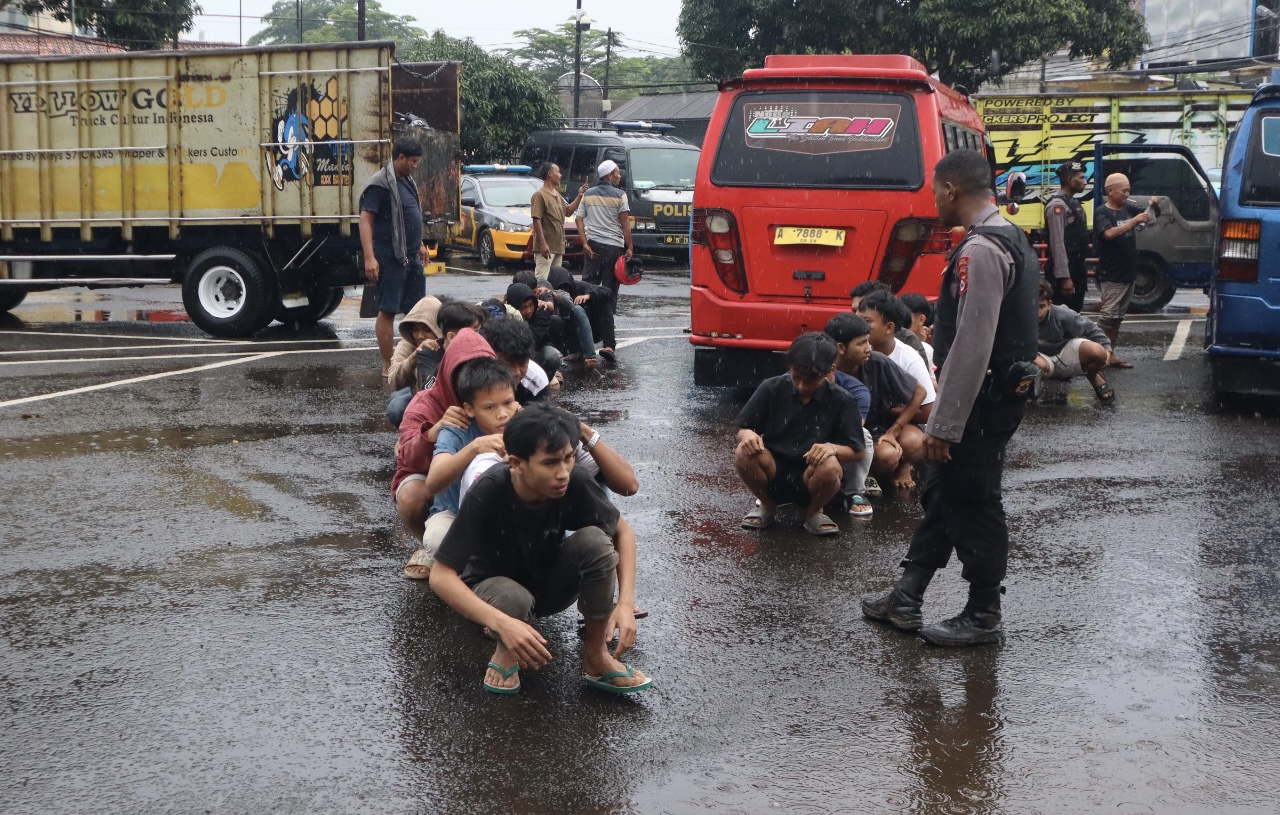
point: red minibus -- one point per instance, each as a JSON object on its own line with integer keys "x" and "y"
{"x": 815, "y": 176}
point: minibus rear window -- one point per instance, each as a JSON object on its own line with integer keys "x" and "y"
{"x": 1262, "y": 171}
{"x": 832, "y": 139}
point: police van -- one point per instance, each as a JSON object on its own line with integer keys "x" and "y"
{"x": 657, "y": 174}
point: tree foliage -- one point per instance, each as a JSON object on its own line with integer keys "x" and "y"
{"x": 549, "y": 53}
{"x": 501, "y": 101}
{"x": 138, "y": 25}
{"x": 966, "y": 42}
{"x": 333, "y": 21}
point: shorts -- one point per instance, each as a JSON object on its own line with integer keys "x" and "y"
{"x": 787, "y": 486}
{"x": 1066, "y": 363}
{"x": 437, "y": 527}
{"x": 407, "y": 479}
{"x": 399, "y": 287}
{"x": 1115, "y": 303}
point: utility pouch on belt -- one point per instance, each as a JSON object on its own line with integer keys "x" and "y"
{"x": 1017, "y": 383}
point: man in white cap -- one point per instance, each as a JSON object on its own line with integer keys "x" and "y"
{"x": 604, "y": 222}
{"x": 1116, "y": 223}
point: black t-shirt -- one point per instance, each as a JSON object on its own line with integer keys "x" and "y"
{"x": 790, "y": 428}
{"x": 1116, "y": 256}
{"x": 498, "y": 535}
{"x": 375, "y": 198}
{"x": 890, "y": 387}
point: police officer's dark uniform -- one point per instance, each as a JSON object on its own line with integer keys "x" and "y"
{"x": 1064, "y": 220}
{"x": 985, "y": 336}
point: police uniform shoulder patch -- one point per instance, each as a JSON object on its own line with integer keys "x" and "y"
{"x": 962, "y": 274}
{"x": 1058, "y": 209}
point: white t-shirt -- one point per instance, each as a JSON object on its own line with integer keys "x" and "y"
{"x": 481, "y": 464}
{"x": 909, "y": 360}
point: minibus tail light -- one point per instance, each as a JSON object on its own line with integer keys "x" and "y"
{"x": 716, "y": 230}
{"x": 910, "y": 238}
{"x": 1238, "y": 250}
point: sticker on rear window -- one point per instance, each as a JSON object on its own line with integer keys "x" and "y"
{"x": 820, "y": 128}
{"x": 1271, "y": 136}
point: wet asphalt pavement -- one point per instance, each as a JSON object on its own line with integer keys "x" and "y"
{"x": 201, "y": 607}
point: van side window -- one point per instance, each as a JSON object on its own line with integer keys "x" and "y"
{"x": 1172, "y": 177}
{"x": 583, "y": 167}
{"x": 949, "y": 136}
{"x": 1261, "y": 185}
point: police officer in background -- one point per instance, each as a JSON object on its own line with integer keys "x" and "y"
{"x": 985, "y": 337}
{"x": 1064, "y": 220}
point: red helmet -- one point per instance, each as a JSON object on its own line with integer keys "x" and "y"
{"x": 628, "y": 272}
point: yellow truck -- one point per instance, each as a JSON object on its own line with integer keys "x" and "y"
{"x": 1170, "y": 143}
{"x": 234, "y": 172}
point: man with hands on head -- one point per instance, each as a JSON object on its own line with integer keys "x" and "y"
{"x": 506, "y": 559}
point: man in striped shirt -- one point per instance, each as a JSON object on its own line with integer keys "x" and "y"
{"x": 604, "y": 222}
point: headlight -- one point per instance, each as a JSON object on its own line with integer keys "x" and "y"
{"x": 644, "y": 224}
{"x": 506, "y": 226}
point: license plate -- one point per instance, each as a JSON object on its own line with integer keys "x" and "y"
{"x": 809, "y": 235}
{"x": 682, "y": 239}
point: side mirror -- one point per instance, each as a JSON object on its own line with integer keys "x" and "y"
{"x": 469, "y": 202}
{"x": 1016, "y": 188}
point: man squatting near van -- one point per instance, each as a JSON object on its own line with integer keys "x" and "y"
{"x": 984, "y": 342}
{"x": 391, "y": 239}
{"x": 506, "y": 559}
{"x": 1068, "y": 231}
{"x": 604, "y": 222}
{"x": 1071, "y": 346}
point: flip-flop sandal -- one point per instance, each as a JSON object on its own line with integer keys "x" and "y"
{"x": 1121, "y": 363}
{"x": 872, "y": 488}
{"x": 604, "y": 681}
{"x": 860, "y": 508}
{"x": 757, "y": 519}
{"x": 506, "y": 673}
{"x": 419, "y": 565}
{"x": 1106, "y": 394}
{"x": 821, "y": 525}
{"x": 609, "y": 355}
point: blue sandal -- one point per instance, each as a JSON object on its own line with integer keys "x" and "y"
{"x": 506, "y": 673}
{"x": 604, "y": 682}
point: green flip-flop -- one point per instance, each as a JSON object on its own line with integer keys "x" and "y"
{"x": 506, "y": 672}
{"x": 603, "y": 681}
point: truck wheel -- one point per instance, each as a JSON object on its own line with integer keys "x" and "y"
{"x": 484, "y": 248}
{"x": 10, "y": 298}
{"x": 323, "y": 303}
{"x": 228, "y": 293}
{"x": 1152, "y": 286}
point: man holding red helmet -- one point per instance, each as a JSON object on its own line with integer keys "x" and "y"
{"x": 604, "y": 222}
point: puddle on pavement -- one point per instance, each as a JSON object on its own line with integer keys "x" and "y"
{"x": 176, "y": 438}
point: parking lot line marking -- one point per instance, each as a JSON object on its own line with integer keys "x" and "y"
{"x": 112, "y": 336}
{"x": 185, "y": 356}
{"x": 629, "y": 341}
{"x": 136, "y": 379}
{"x": 226, "y": 344}
{"x": 1179, "y": 341}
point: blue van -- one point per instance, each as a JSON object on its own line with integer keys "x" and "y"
{"x": 1242, "y": 335}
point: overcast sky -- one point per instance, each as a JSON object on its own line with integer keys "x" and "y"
{"x": 649, "y": 26}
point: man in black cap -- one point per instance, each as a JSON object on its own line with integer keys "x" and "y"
{"x": 1064, "y": 221}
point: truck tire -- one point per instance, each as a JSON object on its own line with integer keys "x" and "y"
{"x": 1153, "y": 288}
{"x": 228, "y": 293}
{"x": 10, "y": 299}
{"x": 324, "y": 302}
{"x": 484, "y": 248}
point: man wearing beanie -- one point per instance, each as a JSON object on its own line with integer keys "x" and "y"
{"x": 604, "y": 222}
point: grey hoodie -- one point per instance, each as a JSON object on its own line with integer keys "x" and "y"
{"x": 1061, "y": 325}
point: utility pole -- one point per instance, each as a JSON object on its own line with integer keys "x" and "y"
{"x": 577, "y": 61}
{"x": 608, "y": 55}
{"x": 298, "y": 6}
{"x": 360, "y": 20}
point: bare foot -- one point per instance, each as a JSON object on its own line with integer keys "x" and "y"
{"x": 902, "y": 479}
{"x": 503, "y": 657}
{"x": 600, "y": 665}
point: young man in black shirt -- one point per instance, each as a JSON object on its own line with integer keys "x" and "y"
{"x": 506, "y": 560}
{"x": 797, "y": 432}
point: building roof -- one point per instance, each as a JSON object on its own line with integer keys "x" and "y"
{"x": 43, "y": 43}
{"x": 667, "y": 107}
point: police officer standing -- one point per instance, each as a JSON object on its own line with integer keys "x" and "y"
{"x": 1064, "y": 219}
{"x": 985, "y": 337}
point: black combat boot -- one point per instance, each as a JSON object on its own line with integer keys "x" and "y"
{"x": 978, "y": 624}
{"x": 900, "y": 606}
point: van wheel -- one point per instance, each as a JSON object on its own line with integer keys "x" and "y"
{"x": 1152, "y": 286}
{"x": 484, "y": 248}
{"x": 10, "y": 299}
{"x": 228, "y": 293}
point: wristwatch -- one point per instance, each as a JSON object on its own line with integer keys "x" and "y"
{"x": 591, "y": 442}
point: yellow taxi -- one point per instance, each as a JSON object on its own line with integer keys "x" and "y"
{"x": 496, "y": 224}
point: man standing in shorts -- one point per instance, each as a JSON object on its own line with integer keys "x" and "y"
{"x": 391, "y": 239}
{"x": 1116, "y": 224}
{"x": 605, "y": 226}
